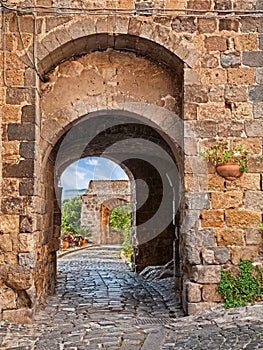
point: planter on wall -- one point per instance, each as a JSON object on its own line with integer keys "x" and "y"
{"x": 229, "y": 171}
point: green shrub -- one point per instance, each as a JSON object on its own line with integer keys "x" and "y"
{"x": 244, "y": 287}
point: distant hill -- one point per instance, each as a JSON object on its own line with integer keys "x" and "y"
{"x": 71, "y": 193}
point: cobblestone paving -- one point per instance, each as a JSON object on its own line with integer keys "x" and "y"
{"x": 100, "y": 304}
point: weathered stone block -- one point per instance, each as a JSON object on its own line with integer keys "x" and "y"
{"x": 25, "y": 224}
{"x": 226, "y": 200}
{"x": 215, "y": 76}
{"x": 210, "y": 294}
{"x": 230, "y": 60}
{"x": 243, "y": 218}
{"x": 27, "y": 150}
{"x": 195, "y": 165}
{"x": 255, "y": 93}
{"x": 205, "y": 128}
{"x": 246, "y": 42}
{"x": 199, "y": 4}
{"x": 192, "y": 255}
{"x": 5, "y": 243}
{"x": 223, "y": 4}
{"x": 242, "y": 110}
{"x": 241, "y": 76}
{"x": 221, "y": 254}
{"x": 249, "y": 24}
{"x": 212, "y": 218}
{"x": 215, "y": 182}
{"x": 19, "y": 278}
{"x": 229, "y": 237}
{"x": 254, "y": 236}
{"x": 252, "y": 144}
{"x": 208, "y": 257}
{"x": 254, "y": 200}
{"x": 27, "y": 260}
{"x": 254, "y": 128}
{"x": 11, "y": 114}
{"x": 236, "y": 93}
{"x": 28, "y": 114}
{"x": 253, "y": 58}
{"x": 258, "y": 110}
{"x": 25, "y": 168}
{"x": 193, "y": 292}
{"x": 206, "y": 25}
{"x": 21, "y": 132}
{"x": 250, "y": 253}
{"x": 200, "y": 238}
{"x": 259, "y": 75}
{"x": 15, "y": 205}
{"x": 215, "y": 43}
{"x": 191, "y": 77}
{"x": 26, "y": 188}
{"x": 196, "y": 93}
{"x": 7, "y": 298}
{"x": 193, "y": 308}
{"x": 184, "y": 24}
{"x": 197, "y": 200}
{"x": 10, "y": 151}
{"x": 206, "y": 274}
{"x": 209, "y": 61}
{"x": 213, "y": 112}
{"x": 16, "y": 96}
{"x": 25, "y": 243}
{"x": 228, "y": 24}
{"x": 9, "y": 224}
{"x": 245, "y": 182}
{"x": 231, "y": 128}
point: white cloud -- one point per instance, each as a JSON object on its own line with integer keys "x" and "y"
{"x": 79, "y": 174}
{"x": 91, "y": 161}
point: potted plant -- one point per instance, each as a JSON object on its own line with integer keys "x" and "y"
{"x": 230, "y": 163}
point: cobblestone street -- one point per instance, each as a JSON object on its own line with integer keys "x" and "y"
{"x": 101, "y": 304}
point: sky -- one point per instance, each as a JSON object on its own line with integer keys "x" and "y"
{"x": 78, "y": 175}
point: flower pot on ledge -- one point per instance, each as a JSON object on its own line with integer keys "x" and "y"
{"x": 229, "y": 171}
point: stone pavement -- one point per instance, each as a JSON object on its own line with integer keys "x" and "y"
{"x": 100, "y": 304}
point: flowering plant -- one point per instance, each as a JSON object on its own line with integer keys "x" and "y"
{"x": 220, "y": 153}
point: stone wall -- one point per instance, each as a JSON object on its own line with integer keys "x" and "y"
{"x": 101, "y": 197}
{"x": 160, "y": 61}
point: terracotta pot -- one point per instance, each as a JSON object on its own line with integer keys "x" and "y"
{"x": 65, "y": 245}
{"x": 229, "y": 171}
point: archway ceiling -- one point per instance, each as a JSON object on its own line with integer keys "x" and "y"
{"x": 125, "y": 140}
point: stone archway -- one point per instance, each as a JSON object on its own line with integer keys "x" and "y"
{"x": 107, "y": 236}
{"x": 152, "y": 114}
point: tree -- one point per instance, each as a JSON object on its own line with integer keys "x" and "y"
{"x": 120, "y": 218}
{"x": 71, "y": 212}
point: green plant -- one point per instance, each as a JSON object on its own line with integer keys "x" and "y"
{"x": 243, "y": 287}
{"x": 221, "y": 153}
{"x": 120, "y": 219}
{"x": 71, "y": 212}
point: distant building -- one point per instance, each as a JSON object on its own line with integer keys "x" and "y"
{"x": 100, "y": 199}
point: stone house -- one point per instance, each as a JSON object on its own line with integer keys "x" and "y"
{"x": 101, "y": 197}
{"x": 147, "y": 84}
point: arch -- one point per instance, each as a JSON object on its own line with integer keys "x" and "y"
{"x": 89, "y": 34}
{"x": 105, "y": 213}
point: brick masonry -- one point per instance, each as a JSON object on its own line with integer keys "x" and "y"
{"x": 204, "y": 70}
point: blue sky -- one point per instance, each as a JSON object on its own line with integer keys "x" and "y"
{"x": 79, "y": 174}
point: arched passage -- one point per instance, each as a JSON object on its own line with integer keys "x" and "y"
{"x": 127, "y": 108}
{"x": 123, "y": 106}
{"x": 107, "y": 237}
